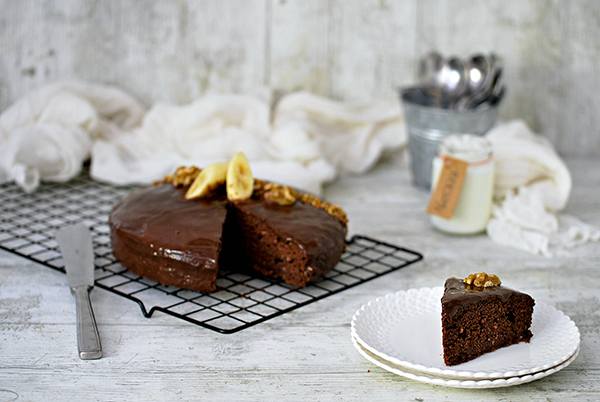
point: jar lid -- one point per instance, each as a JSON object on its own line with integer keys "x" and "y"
{"x": 467, "y": 147}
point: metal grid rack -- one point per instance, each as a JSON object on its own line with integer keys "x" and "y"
{"x": 28, "y": 223}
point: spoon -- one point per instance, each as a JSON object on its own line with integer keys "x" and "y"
{"x": 478, "y": 82}
{"x": 491, "y": 95}
{"x": 497, "y": 81}
{"x": 429, "y": 70}
{"x": 430, "y": 76}
{"x": 444, "y": 80}
{"x": 480, "y": 69}
{"x": 455, "y": 77}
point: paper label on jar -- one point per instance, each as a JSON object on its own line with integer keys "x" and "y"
{"x": 447, "y": 190}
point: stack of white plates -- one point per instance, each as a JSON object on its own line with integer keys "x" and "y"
{"x": 402, "y": 333}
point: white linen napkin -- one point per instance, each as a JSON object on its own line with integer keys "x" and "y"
{"x": 303, "y": 140}
{"x": 532, "y": 184}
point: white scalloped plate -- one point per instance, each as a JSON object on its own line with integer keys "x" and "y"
{"x": 404, "y": 329}
{"x": 455, "y": 383}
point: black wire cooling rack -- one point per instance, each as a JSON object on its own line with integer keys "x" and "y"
{"x": 28, "y": 223}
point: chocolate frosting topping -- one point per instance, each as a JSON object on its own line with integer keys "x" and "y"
{"x": 158, "y": 234}
{"x": 168, "y": 224}
{"x": 457, "y": 294}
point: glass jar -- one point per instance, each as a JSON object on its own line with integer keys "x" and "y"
{"x": 474, "y": 205}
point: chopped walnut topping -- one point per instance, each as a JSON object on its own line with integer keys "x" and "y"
{"x": 306, "y": 198}
{"x": 273, "y": 192}
{"x": 338, "y": 213}
{"x": 481, "y": 279}
{"x": 259, "y": 186}
{"x": 183, "y": 176}
{"x": 281, "y": 196}
{"x": 167, "y": 179}
{"x": 333, "y": 210}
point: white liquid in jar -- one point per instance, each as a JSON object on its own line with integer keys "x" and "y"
{"x": 474, "y": 205}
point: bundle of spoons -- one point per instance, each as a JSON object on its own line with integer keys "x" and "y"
{"x": 460, "y": 84}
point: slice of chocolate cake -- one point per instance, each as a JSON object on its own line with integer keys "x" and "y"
{"x": 159, "y": 235}
{"x": 480, "y": 316}
{"x": 297, "y": 243}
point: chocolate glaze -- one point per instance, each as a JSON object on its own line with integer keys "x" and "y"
{"x": 158, "y": 234}
{"x": 458, "y": 294}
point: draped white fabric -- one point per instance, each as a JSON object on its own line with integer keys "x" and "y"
{"x": 532, "y": 184}
{"x": 303, "y": 140}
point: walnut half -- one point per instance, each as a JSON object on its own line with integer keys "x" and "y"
{"x": 481, "y": 279}
{"x": 183, "y": 176}
{"x": 281, "y": 196}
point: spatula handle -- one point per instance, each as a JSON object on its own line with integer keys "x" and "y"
{"x": 88, "y": 339}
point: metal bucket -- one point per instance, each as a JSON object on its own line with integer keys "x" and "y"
{"x": 428, "y": 124}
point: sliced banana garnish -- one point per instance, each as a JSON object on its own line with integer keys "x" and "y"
{"x": 209, "y": 179}
{"x": 240, "y": 183}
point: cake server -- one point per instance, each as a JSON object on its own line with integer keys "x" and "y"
{"x": 75, "y": 243}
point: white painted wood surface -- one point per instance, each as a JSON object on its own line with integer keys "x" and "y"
{"x": 354, "y": 50}
{"x": 305, "y": 354}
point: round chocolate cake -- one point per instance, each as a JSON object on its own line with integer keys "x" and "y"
{"x": 159, "y": 234}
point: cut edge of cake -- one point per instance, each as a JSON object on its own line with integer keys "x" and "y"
{"x": 291, "y": 265}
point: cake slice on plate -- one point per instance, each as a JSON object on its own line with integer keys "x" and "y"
{"x": 480, "y": 316}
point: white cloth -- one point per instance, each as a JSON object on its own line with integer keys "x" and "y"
{"x": 303, "y": 140}
{"x": 523, "y": 158}
{"x": 47, "y": 135}
{"x": 532, "y": 184}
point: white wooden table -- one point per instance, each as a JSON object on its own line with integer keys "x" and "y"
{"x": 304, "y": 354}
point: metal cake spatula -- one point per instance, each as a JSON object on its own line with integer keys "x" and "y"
{"x": 75, "y": 243}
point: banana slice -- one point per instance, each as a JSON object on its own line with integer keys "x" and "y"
{"x": 209, "y": 179}
{"x": 240, "y": 183}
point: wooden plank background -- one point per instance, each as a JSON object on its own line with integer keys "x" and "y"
{"x": 353, "y": 50}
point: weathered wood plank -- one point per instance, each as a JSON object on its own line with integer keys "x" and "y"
{"x": 578, "y": 129}
{"x": 176, "y": 51}
{"x": 372, "y": 49}
{"x": 172, "y": 51}
{"x": 299, "y": 46}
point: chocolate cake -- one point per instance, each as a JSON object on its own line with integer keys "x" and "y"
{"x": 160, "y": 234}
{"x": 480, "y": 316}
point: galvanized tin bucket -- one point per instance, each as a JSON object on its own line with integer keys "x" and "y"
{"x": 428, "y": 124}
